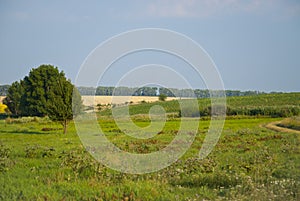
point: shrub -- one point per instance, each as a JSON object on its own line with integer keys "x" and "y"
{"x": 162, "y": 97}
{"x": 5, "y": 162}
{"x": 81, "y": 163}
{"x": 37, "y": 151}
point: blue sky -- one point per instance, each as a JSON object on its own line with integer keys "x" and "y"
{"x": 254, "y": 44}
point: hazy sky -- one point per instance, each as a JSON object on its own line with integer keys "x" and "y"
{"x": 254, "y": 44}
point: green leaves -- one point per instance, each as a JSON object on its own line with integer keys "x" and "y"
{"x": 13, "y": 98}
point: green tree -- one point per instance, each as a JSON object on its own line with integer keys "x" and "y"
{"x": 13, "y": 98}
{"x": 64, "y": 102}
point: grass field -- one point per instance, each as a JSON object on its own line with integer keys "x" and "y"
{"x": 249, "y": 162}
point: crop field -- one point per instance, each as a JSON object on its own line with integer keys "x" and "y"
{"x": 95, "y": 100}
{"x": 249, "y": 162}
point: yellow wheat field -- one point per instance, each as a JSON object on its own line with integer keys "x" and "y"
{"x": 103, "y": 100}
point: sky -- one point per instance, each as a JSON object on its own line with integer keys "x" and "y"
{"x": 254, "y": 44}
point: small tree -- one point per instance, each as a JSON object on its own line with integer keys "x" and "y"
{"x": 59, "y": 105}
{"x": 13, "y": 97}
{"x": 162, "y": 97}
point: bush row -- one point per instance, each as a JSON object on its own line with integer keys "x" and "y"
{"x": 285, "y": 111}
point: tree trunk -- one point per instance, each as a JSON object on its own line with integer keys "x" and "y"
{"x": 65, "y": 124}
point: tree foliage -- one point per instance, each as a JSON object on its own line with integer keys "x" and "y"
{"x": 39, "y": 85}
{"x": 155, "y": 91}
{"x": 13, "y": 98}
{"x": 60, "y": 107}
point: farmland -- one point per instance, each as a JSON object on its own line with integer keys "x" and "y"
{"x": 95, "y": 100}
{"x": 249, "y": 162}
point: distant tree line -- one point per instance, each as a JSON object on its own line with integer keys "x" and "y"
{"x": 155, "y": 91}
{"x": 279, "y": 111}
{"x": 149, "y": 91}
{"x": 118, "y": 91}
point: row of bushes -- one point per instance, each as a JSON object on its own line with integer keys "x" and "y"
{"x": 286, "y": 111}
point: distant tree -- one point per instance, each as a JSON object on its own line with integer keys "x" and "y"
{"x": 13, "y": 97}
{"x": 162, "y": 97}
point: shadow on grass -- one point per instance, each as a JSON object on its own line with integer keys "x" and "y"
{"x": 28, "y": 132}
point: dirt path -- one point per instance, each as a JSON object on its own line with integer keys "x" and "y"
{"x": 273, "y": 126}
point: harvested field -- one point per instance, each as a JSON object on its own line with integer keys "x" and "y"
{"x": 94, "y": 100}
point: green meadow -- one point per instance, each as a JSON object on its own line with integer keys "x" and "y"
{"x": 249, "y": 162}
